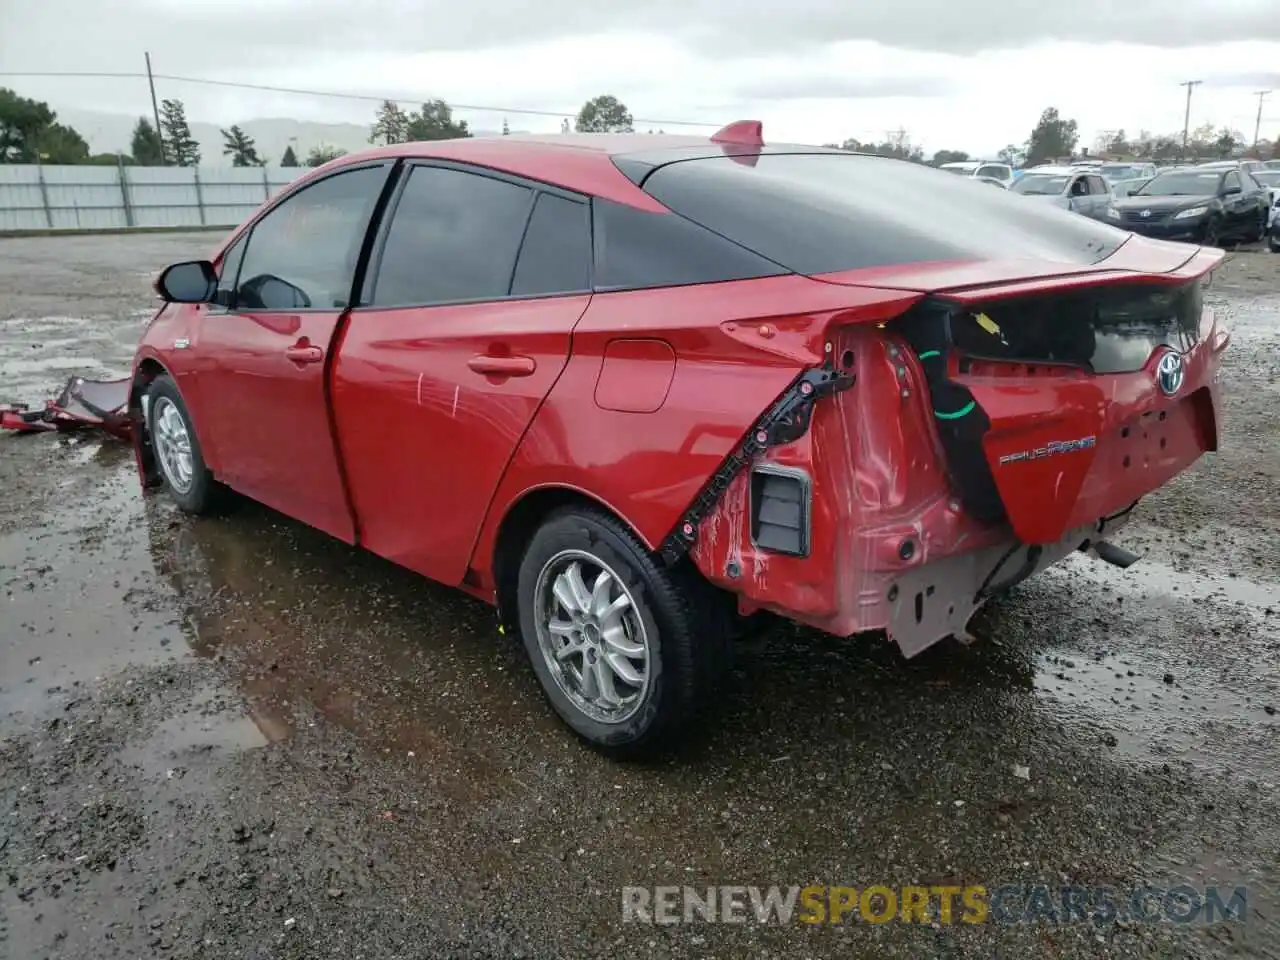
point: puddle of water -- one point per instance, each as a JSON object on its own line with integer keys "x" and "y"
{"x": 1173, "y": 691}
{"x": 1152, "y": 580}
{"x": 210, "y": 727}
{"x": 79, "y": 592}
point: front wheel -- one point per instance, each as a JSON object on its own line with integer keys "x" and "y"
{"x": 176, "y": 448}
{"x": 1274, "y": 242}
{"x": 614, "y": 638}
{"x": 1210, "y": 236}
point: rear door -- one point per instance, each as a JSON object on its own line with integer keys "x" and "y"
{"x": 462, "y": 329}
{"x": 1237, "y": 206}
{"x": 265, "y": 348}
{"x": 1099, "y": 196}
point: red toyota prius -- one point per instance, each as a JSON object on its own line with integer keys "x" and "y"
{"x": 633, "y": 390}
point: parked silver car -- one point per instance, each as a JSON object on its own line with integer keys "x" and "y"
{"x": 1083, "y": 191}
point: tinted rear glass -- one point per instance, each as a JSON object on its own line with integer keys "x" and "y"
{"x": 636, "y": 249}
{"x": 824, "y": 213}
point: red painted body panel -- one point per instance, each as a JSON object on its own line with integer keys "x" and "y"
{"x": 268, "y": 415}
{"x": 738, "y": 346}
{"x": 426, "y": 437}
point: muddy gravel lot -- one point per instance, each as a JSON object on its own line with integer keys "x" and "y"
{"x": 238, "y": 738}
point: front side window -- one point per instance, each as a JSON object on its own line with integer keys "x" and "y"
{"x": 303, "y": 253}
{"x": 1232, "y": 180}
{"x": 453, "y": 237}
{"x": 228, "y": 271}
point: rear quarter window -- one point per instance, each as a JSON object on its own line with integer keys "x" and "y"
{"x": 827, "y": 213}
{"x": 635, "y": 249}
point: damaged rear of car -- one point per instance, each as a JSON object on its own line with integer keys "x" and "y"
{"x": 1043, "y": 373}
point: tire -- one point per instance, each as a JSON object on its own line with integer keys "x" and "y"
{"x": 1210, "y": 237}
{"x": 1274, "y": 242}
{"x": 177, "y": 449}
{"x": 669, "y": 644}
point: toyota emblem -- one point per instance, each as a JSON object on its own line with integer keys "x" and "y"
{"x": 1146, "y": 213}
{"x": 1170, "y": 373}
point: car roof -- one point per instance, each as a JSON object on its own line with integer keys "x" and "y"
{"x": 1053, "y": 171}
{"x": 607, "y": 165}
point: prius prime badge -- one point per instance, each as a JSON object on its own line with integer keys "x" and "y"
{"x": 1170, "y": 373}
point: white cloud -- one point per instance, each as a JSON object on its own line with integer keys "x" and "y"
{"x": 862, "y": 89}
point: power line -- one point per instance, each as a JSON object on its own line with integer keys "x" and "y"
{"x": 266, "y": 88}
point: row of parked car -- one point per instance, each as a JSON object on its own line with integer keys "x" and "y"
{"x": 1227, "y": 201}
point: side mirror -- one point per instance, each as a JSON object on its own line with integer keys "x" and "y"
{"x": 194, "y": 281}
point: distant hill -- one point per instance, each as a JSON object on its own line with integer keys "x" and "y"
{"x": 112, "y": 132}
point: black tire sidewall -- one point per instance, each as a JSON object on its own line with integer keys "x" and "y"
{"x": 664, "y": 621}
{"x": 198, "y": 496}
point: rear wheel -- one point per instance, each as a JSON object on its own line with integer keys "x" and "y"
{"x": 617, "y": 641}
{"x": 176, "y": 449}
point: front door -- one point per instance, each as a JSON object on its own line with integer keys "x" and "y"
{"x": 265, "y": 355}
{"x": 464, "y": 329}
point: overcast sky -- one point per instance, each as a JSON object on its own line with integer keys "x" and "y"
{"x": 966, "y": 74}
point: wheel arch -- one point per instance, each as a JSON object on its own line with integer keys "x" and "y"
{"x": 521, "y": 519}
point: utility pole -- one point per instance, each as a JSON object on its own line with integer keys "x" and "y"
{"x": 1257, "y": 124}
{"x": 155, "y": 111}
{"x": 1186, "y": 122}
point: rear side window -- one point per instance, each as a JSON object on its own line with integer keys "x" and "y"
{"x": 825, "y": 213}
{"x": 635, "y": 249}
{"x": 453, "y": 237}
{"x": 556, "y": 254}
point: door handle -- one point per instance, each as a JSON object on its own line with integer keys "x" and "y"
{"x": 502, "y": 366}
{"x": 303, "y": 354}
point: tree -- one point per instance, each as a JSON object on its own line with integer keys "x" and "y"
{"x": 604, "y": 114}
{"x": 391, "y": 125}
{"x": 30, "y": 133}
{"x": 322, "y": 154}
{"x": 1275, "y": 148}
{"x": 111, "y": 160}
{"x": 58, "y": 143}
{"x": 1227, "y": 142}
{"x": 239, "y": 146}
{"x": 949, "y": 156}
{"x": 1013, "y": 155}
{"x": 1119, "y": 143}
{"x": 289, "y": 159}
{"x": 1052, "y": 137}
{"x": 435, "y": 122}
{"x": 147, "y": 147}
{"x": 179, "y": 145}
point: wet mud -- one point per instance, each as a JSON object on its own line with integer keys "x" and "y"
{"x": 235, "y": 737}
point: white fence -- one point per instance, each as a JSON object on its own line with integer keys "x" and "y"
{"x": 85, "y": 197}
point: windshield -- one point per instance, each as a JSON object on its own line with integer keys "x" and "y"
{"x": 1040, "y": 183}
{"x": 963, "y": 171}
{"x": 991, "y": 171}
{"x": 1182, "y": 184}
{"x": 1121, "y": 171}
